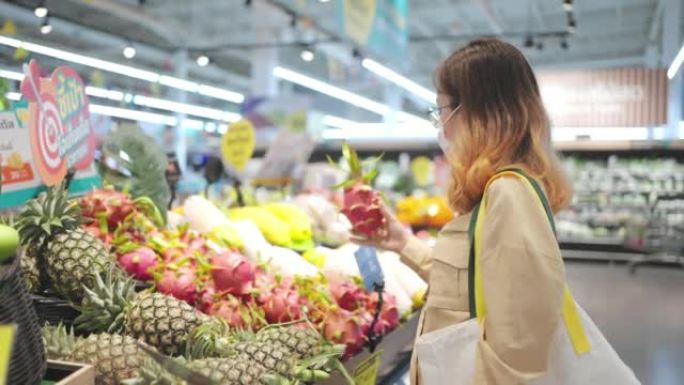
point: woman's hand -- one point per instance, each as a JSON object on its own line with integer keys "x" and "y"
{"x": 393, "y": 237}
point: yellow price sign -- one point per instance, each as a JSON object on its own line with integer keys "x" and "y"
{"x": 237, "y": 145}
{"x": 6, "y": 339}
{"x": 367, "y": 371}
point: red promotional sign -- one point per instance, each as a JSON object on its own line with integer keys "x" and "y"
{"x": 58, "y": 123}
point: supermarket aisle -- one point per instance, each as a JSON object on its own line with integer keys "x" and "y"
{"x": 641, "y": 315}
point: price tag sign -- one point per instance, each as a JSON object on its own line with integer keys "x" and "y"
{"x": 237, "y": 144}
{"x": 369, "y": 266}
{"x": 367, "y": 371}
{"x": 6, "y": 340}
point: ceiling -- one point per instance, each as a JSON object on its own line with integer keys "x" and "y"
{"x": 609, "y": 33}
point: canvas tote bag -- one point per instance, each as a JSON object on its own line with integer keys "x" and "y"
{"x": 579, "y": 354}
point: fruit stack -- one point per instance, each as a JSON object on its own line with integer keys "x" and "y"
{"x": 220, "y": 283}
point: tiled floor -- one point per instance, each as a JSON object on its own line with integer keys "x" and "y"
{"x": 642, "y": 315}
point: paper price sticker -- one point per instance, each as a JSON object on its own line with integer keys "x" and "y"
{"x": 367, "y": 371}
{"x": 237, "y": 144}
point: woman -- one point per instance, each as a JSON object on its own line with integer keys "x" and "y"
{"x": 491, "y": 117}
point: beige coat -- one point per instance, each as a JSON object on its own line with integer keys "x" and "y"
{"x": 523, "y": 278}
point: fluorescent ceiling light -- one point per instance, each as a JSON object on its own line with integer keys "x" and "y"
{"x": 330, "y": 90}
{"x": 140, "y": 116}
{"x": 125, "y": 70}
{"x": 145, "y": 101}
{"x": 220, "y": 93}
{"x": 189, "y": 109}
{"x": 104, "y": 93}
{"x": 222, "y": 128}
{"x": 18, "y": 76}
{"x": 13, "y": 96}
{"x": 181, "y": 84}
{"x": 676, "y": 63}
{"x": 402, "y": 81}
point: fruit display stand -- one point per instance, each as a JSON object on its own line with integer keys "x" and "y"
{"x": 394, "y": 353}
{"x": 68, "y": 373}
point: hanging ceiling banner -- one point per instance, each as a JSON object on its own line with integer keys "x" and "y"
{"x": 617, "y": 97}
{"x": 380, "y": 26}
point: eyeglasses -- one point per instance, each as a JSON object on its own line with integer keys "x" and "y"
{"x": 435, "y": 114}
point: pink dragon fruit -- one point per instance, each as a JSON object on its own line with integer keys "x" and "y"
{"x": 179, "y": 282}
{"x": 235, "y": 313}
{"x": 206, "y": 298}
{"x": 389, "y": 315}
{"x": 107, "y": 203}
{"x": 232, "y": 273}
{"x": 139, "y": 263}
{"x": 347, "y": 294}
{"x": 282, "y": 304}
{"x": 344, "y": 327}
{"x": 361, "y": 202}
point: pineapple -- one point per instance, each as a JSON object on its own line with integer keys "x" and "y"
{"x": 114, "y": 356}
{"x": 160, "y": 320}
{"x": 303, "y": 342}
{"x": 70, "y": 256}
{"x": 232, "y": 370}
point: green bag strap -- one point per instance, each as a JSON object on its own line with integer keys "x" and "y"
{"x": 471, "y": 232}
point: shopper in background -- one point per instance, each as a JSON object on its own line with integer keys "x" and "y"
{"x": 490, "y": 117}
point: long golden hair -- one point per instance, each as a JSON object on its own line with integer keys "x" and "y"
{"x": 505, "y": 122}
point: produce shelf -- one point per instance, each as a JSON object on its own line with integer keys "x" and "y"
{"x": 395, "y": 348}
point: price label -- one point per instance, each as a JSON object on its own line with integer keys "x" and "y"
{"x": 6, "y": 339}
{"x": 369, "y": 267}
{"x": 367, "y": 371}
{"x": 237, "y": 145}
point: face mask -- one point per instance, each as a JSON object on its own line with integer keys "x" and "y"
{"x": 444, "y": 142}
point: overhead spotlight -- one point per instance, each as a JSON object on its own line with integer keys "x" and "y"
{"x": 564, "y": 43}
{"x": 46, "y": 27}
{"x": 356, "y": 53}
{"x": 307, "y": 54}
{"x": 41, "y": 10}
{"x": 324, "y": 1}
{"x": 529, "y": 41}
{"x": 129, "y": 51}
{"x": 203, "y": 60}
{"x": 567, "y": 5}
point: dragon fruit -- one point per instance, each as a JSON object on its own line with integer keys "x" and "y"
{"x": 237, "y": 314}
{"x": 206, "y": 298}
{"x": 107, "y": 203}
{"x": 361, "y": 203}
{"x": 180, "y": 282}
{"x": 389, "y": 315}
{"x": 232, "y": 272}
{"x": 344, "y": 327}
{"x": 282, "y": 304}
{"x": 139, "y": 263}
{"x": 347, "y": 294}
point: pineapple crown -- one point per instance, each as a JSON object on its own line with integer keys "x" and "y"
{"x": 104, "y": 305}
{"x": 152, "y": 373}
{"x": 210, "y": 339}
{"x": 47, "y": 215}
{"x": 59, "y": 341}
{"x": 356, "y": 167}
